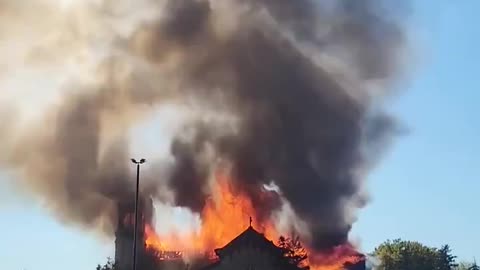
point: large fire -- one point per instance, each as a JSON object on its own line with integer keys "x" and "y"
{"x": 224, "y": 217}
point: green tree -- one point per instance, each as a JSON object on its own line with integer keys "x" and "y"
{"x": 401, "y": 255}
{"x": 445, "y": 261}
{"x": 293, "y": 250}
{"x": 110, "y": 265}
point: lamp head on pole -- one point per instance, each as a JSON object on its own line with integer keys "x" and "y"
{"x": 138, "y": 162}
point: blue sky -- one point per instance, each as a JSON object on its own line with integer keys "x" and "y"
{"x": 425, "y": 189}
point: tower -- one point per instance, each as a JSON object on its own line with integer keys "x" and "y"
{"x": 125, "y": 229}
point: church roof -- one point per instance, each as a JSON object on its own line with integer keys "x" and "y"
{"x": 251, "y": 238}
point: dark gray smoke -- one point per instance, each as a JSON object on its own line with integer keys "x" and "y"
{"x": 299, "y": 127}
{"x": 301, "y": 79}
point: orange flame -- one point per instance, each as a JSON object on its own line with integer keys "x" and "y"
{"x": 225, "y": 215}
{"x": 335, "y": 259}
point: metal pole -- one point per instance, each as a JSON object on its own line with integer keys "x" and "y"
{"x": 136, "y": 220}
{"x": 138, "y": 163}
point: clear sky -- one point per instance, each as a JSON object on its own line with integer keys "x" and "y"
{"x": 426, "y": 188}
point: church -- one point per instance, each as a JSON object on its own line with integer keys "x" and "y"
{"x": 250, "y": 250}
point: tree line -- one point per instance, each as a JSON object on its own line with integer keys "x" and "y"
{"x": 412, "y": 255}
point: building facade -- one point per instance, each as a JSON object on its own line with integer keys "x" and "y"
{"x": 249, "y": 251}
{"x": 124, "y": 235}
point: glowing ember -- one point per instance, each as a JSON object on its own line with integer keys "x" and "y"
{"x": 224, "y": 217}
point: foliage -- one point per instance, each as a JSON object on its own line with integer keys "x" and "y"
{"x": 445, "y": 260}
{"x": 401, "y": 255}
{"x": 293, "y": 250}
{"x": 467, "y": 266}
{"x": 110, "y": 265}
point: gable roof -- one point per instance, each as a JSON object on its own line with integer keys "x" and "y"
{"x": 249, "y": 238}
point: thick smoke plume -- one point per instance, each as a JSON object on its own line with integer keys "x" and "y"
{"x": 282, "y": 91}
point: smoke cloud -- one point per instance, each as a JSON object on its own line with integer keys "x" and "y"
{"x": 279, "y": 91}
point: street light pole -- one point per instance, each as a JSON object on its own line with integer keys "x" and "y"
{"x": 138, "y": 163}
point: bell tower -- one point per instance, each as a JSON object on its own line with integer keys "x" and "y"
{"x": 125, "y": 229}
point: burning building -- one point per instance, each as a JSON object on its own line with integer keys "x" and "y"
{"x": 250, "y": 250}
{"x": 222, "y": 242}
